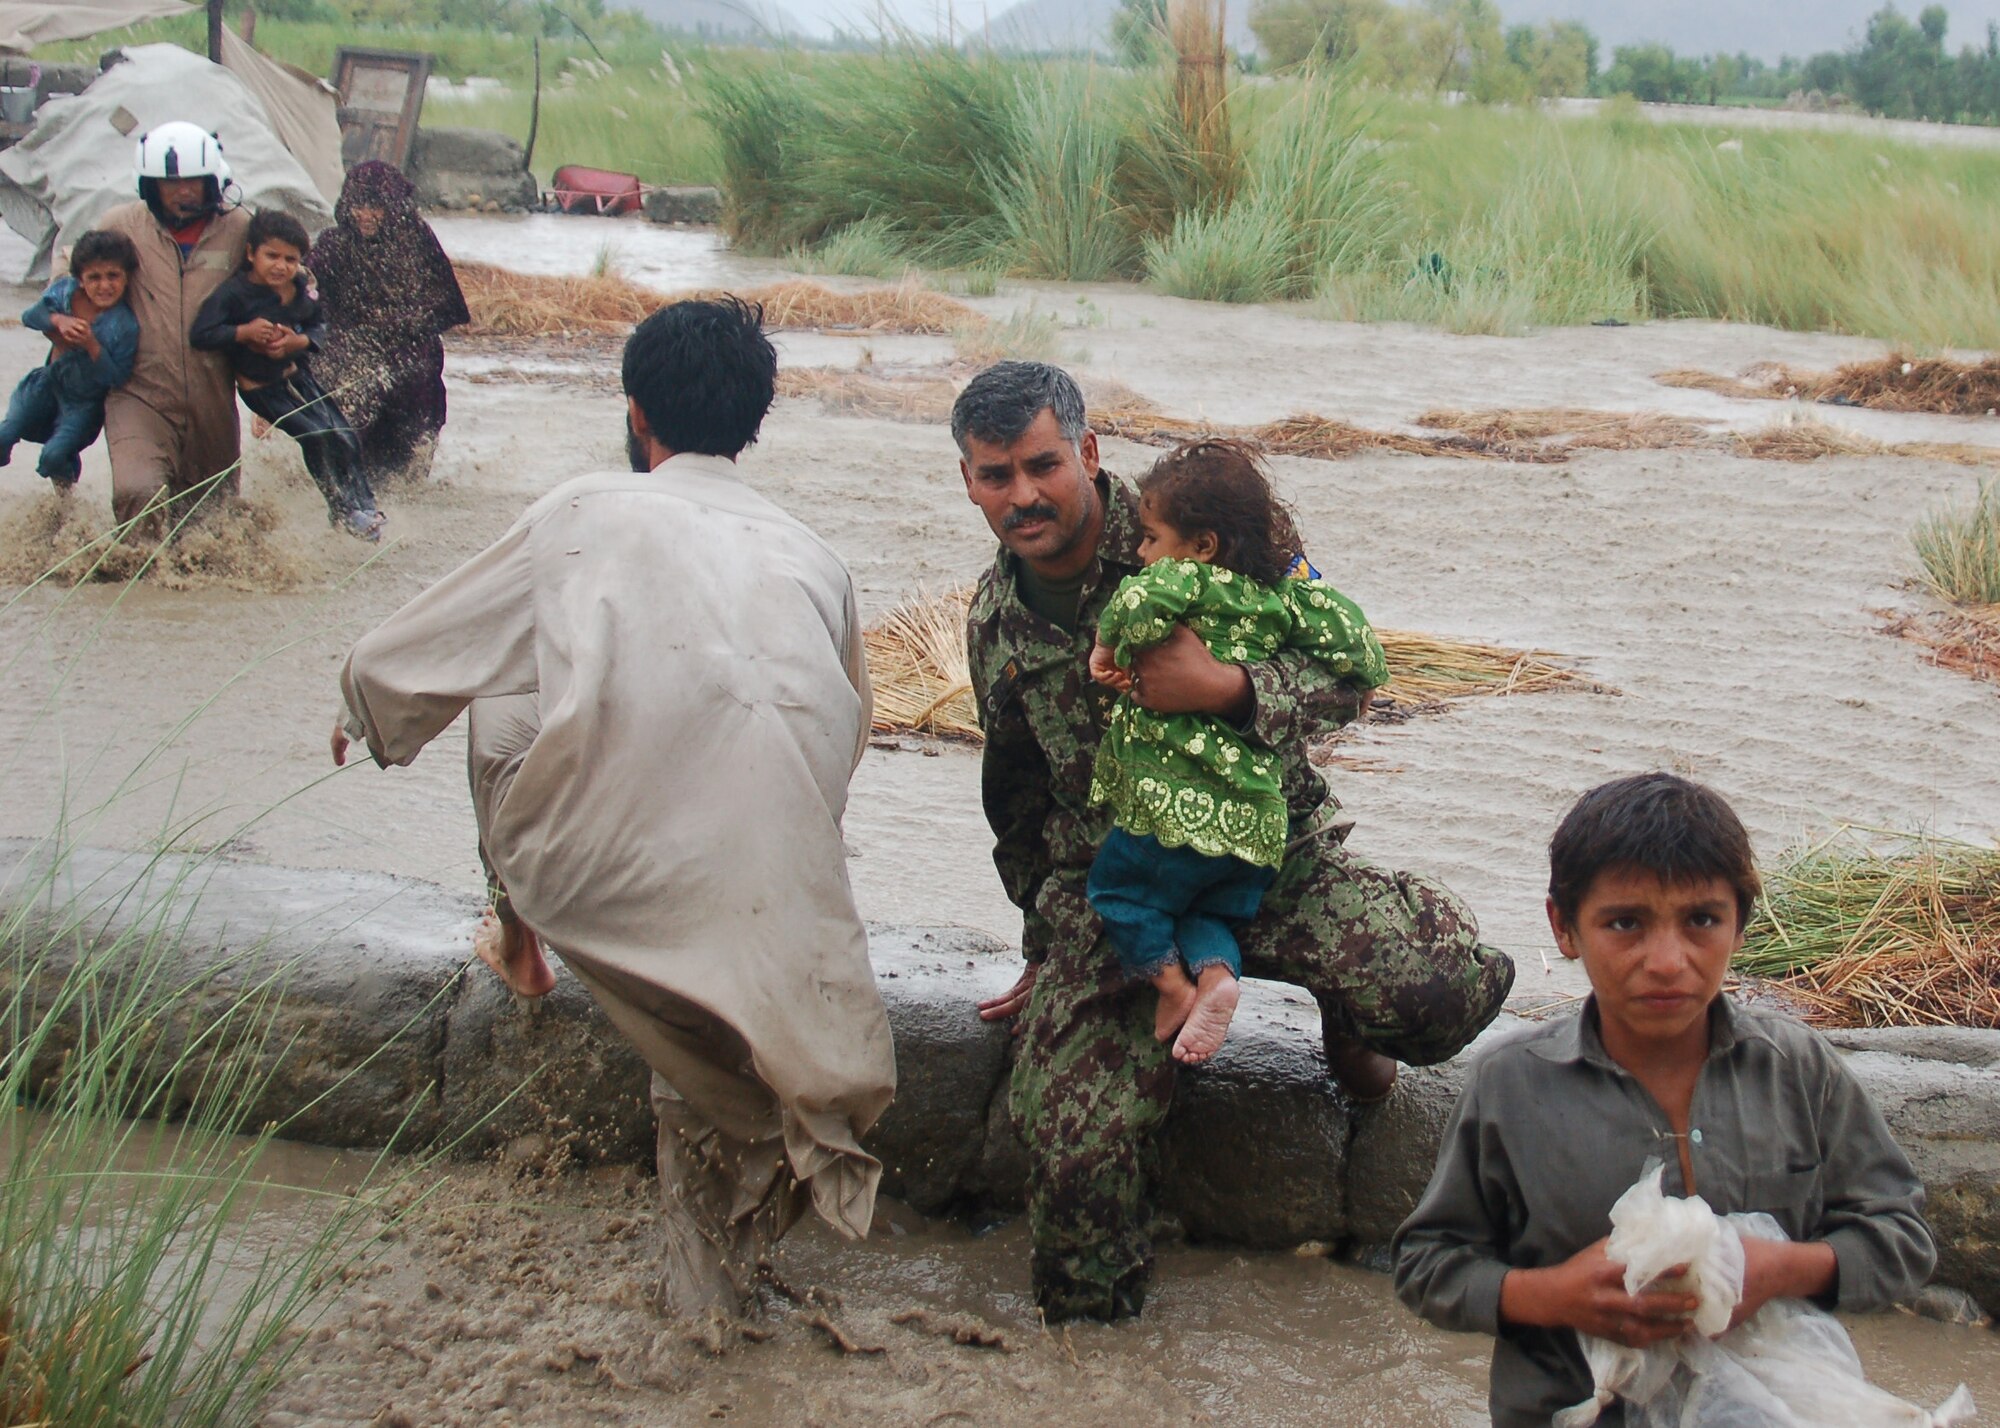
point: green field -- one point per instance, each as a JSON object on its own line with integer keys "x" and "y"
{"x": 1368, "y": 206}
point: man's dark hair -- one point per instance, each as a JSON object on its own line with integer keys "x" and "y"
{"x": 704, "y": 374}
{"x": 1221, "y": 487}
{"x": 1678, "y": 830}
{"x": 98, "y": 246}
{"x": 274, "y": 225}
{"x": 1004, "y": 400}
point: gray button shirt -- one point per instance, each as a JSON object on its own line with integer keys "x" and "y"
{"x": 1550, "y": 1132}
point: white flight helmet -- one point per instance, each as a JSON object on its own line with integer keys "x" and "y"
{"x": 182, "y": 150}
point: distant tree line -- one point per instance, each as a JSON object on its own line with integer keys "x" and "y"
{"x": 1900, "y": 68}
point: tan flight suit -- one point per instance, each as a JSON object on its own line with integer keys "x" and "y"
{"x": 173, "y": 425}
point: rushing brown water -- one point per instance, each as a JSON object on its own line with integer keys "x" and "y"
{"x": 522, "y": 1298}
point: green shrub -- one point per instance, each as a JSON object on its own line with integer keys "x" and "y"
{"x": 1959, "y": 549}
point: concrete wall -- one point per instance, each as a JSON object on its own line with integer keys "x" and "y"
{"x": 386, "y": 1034}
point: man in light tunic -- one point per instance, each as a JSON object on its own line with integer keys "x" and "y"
{"x": 675, "y": 668}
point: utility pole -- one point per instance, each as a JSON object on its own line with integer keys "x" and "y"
{"x": 215, "y": 31}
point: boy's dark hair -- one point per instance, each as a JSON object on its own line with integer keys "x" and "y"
{"x": 1678, "y": 830}
{"x": 98, "y": 246}
{"x": 1004, "y": 400}
{"x": 275, "y": 225}
{"x": 1222, "y": 487}
{"x": 704, "y": 374}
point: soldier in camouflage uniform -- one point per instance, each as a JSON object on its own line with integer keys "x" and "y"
{"x": 1393, "y": 959}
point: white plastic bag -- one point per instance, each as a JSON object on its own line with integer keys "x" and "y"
{"x": 1790, "y": 1365}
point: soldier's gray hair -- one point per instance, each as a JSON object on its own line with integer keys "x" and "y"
{"x": 1004, "y": 400}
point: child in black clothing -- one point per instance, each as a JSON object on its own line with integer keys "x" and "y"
{"x": 266, "y": 318}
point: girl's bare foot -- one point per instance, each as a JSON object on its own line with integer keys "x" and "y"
{"x": 514, "y": 953}
{"x": 1208, "y": 1024}
{"x": 1177, "y": 993}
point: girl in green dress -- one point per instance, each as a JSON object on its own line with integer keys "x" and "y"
{"x": 1201, "y": 822}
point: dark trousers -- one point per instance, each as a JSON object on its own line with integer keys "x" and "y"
{"x": 1161, "y": 905}
{"x": 296, "y": 406}
{"x": 63, "y": 425}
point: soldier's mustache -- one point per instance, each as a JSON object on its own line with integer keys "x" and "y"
{"x": 1016, "y": 519}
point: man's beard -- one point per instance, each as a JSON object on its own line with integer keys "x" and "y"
{"x": 635, "y": 449}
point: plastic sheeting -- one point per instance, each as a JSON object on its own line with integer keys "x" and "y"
{"x": 303, "y": 108}
{"x": 78, "y": 161}
{"x": 23, "y": 26}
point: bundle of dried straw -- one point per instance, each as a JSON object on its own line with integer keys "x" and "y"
{"x": 524, "y": 304}
{"x": 917, "y": 662}
{"x": 1895, "y": 383}
{"x": 1873, "y": 929}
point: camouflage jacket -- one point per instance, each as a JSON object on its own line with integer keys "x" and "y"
{"x": 1043, "y": 715}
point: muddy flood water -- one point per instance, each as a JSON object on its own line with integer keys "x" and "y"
{"x": 511, "y": 1298}
{"x": 1726, "y": 612}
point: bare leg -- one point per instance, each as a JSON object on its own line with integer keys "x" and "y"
{"x": 514, "y": 951}
{"x": 1177, "y": 993}
{"x": 1208, "y": 1024}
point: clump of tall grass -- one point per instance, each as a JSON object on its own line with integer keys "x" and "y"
{"x": 1056, "y": 189}
{"x": 1030, "y": 335}
{"x": 867, "y": 249}
{"x": 1959, "y": 549}
{"x": 128, "y": 1292}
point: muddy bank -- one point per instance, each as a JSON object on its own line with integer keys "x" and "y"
{"x": 386, "y": 1029}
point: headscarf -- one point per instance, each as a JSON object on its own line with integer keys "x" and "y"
{"x": 389, "y": 300}
{"x": 398, "y": 285}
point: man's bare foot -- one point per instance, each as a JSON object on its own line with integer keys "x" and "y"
{"x": 1177, "y": 993}
{"x": 1367, "y": 1076}
{"x": 1208, "y": 1024}
{"x": 514, "y": 953}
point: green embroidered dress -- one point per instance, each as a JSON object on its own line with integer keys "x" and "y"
{"x": 1191, "y": 780}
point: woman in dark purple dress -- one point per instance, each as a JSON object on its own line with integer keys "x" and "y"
{"x": 390, "y": 296}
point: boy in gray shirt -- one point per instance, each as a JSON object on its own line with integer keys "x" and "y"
{"x": 1651, "y": 883}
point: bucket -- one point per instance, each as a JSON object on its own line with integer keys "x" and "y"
{"x": 17, "y": 103}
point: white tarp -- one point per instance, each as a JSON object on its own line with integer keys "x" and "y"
{"x": 23, "y": 26}
{"x": 303, "y": 108}
{"x": 78, "y": 161}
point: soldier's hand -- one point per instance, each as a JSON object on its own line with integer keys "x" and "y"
{"x": 1014, "y": 1000}
{"x": 1179, "y": 676}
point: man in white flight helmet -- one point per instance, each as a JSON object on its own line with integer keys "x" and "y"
{"x": 172, "y": 427}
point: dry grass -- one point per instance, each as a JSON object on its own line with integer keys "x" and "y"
{"x": 1578, "y": 428}
{"x": 917, "y": 663}
{"x": 922, "y": 398}
{"x": 1868, "y": 931}
{"x": 1893, "y": 384}
{"x": 1964, "y": 639}
{"x": 1809, "y": 439}
{"x": 522, "y": 304}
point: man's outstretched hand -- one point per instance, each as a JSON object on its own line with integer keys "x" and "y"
{"x": 340, "y": 743}
{"x": 1014, "y": 1000}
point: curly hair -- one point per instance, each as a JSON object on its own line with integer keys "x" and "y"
{"x": 1222, "y": 487}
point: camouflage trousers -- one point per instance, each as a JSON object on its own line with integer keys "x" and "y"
{"x": 1394, "y": 961}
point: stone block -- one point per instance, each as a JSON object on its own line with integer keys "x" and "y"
{"x": 471, "y": 168}
{"x": 684, "y": 205}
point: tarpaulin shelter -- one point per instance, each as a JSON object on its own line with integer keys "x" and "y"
{"x": 23, "y": 26}
{"x": 78, "y": 161}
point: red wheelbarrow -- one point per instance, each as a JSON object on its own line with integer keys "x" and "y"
{"x": 577, "y": 189}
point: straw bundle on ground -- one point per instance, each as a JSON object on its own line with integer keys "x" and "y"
{"x": 1965, "y": 640}
{"x": 1579, "y": 428}
{"x": 917, "y": 662}
{"x": 1894, "y": 384}
{"x": 1811, "y": 440}
{"x": 503, "y": 301}
{"x": 1903, "y": 931}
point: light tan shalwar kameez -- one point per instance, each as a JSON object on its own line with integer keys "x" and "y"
{"x": 671, "y": 695}
{"x": 173, "y": 425}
